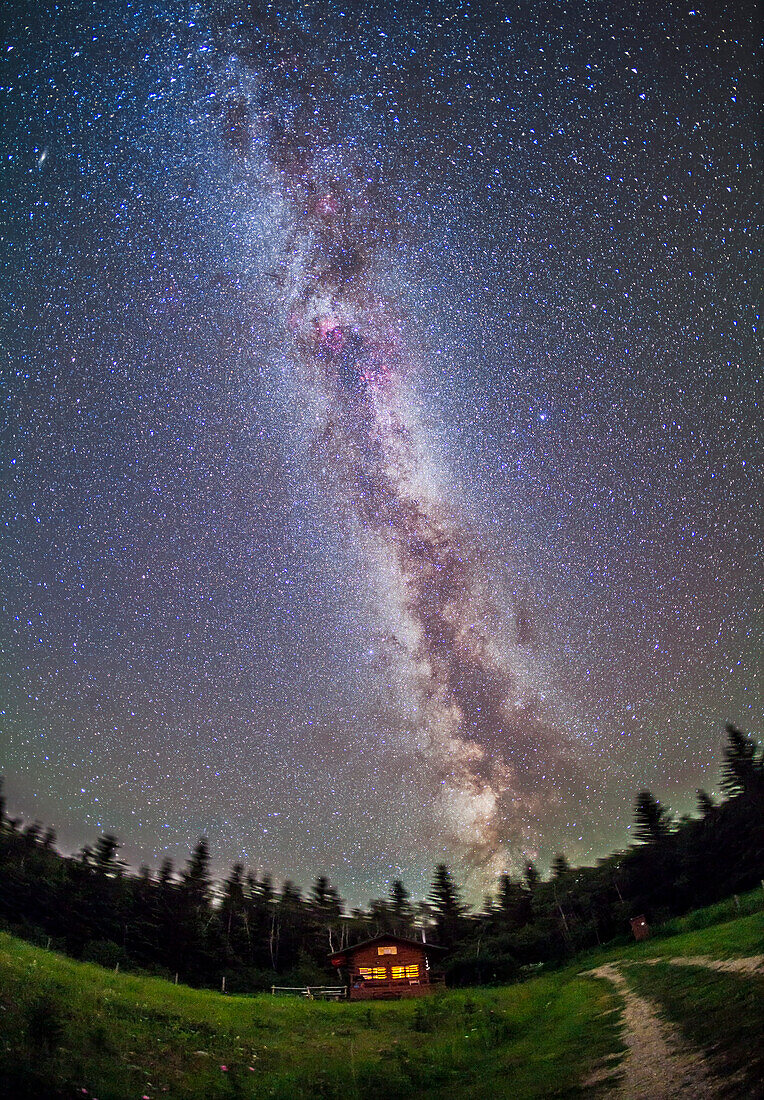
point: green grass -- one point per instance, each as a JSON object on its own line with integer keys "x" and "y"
{"x": 731, "y": 936}
{"x": 730, "y": 909}
{"x": 720, "y": 1013}
{"x": 67, "y": 1026}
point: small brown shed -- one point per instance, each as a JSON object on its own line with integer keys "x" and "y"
{"x": 389, "y": 967}
{"x": 640, "y": 927}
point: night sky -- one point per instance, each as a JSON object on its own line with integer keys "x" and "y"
{"x": 379, "y": 438}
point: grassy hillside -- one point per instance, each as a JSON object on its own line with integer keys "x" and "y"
{"x": 66, "y": 1027}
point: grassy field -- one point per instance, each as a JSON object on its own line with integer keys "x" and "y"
{"x": 66, "y": 1027}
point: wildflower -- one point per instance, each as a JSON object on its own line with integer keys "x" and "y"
{"x": 224, "y": 1069}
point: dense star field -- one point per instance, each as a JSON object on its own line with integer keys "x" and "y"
{"x": 379, "y": 439}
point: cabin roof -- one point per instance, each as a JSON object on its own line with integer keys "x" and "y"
{"x": 426, "y": 947}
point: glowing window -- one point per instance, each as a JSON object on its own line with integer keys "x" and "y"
{"x": 387, "y": 950}
{"x": 412, "y": 971}
{"x": 374, "y": 973}
{"x": 398, "y": 972}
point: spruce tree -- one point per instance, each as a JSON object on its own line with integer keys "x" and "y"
{"x": 446, "y": 905}
{"x": 652, "y": 823}
{"x": 194, "y": 913}
{"x": 400, "y": 908}
{"x": 232, "y": 911}
{"x": 741, "y": 770}
{"x": 560, "y": 867}
{"x": 532, "y": 877}
{"x": 706, "y": 804}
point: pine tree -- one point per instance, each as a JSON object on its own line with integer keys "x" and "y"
{"x": 652, "y": 823}
{"x": 145, "y": 918}
{"x": 560, "y": 867}
{"x": 194, "y": 913}
{"x": 505, "y": 894}
{"x": 512, "y": 909}
{"x": 324, "y": 900}
{"x": 401, "y": 910}
{"x": 446, "y": 905}
{"x": 706, "y": 804}
{"x": 33, "y": 834}
{"x": 105, "y": 860}
{"x": 168, "y": 916}
{"x": 287, "y": 927}
{"x": 195, "y": 880}
{"x": 741, "y": 770}
{"x": 532, "y": 877}
{"x": 232, "y": 910}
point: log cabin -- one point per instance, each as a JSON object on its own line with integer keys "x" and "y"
{"x": 389, "y": 967}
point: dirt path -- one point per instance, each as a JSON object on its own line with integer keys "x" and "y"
{"x": 754, "y": 964}
{"x": 658, "y": 1064}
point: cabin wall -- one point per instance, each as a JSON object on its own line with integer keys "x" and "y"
{"x": 406, "y": 955}
{"x": 392, "y": 970}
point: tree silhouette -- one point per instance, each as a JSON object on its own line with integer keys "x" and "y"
{"x": 105, "y": 860}
{"x": 706, "y": 804}
{"x": 512, "y": 910}
{"x": 195, "y": 880}
{"x": 232, "y": 912}
{"x": 194, "y": 913}
{"x": 560, "y": 867}
{"x": 401, "y": 909}
{"x": 652, "y": 823}
{"x": 446, "y": 905}
{"x": 741, "y": 770}
{"x": 531, "y": 876}
{"x": 325, "y": 907}
{"x": 92, "y": 906}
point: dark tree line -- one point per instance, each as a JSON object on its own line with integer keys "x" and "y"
{"x": 255, "y": 935}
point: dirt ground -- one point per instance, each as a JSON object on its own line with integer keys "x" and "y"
{"x": 754, "y": 964}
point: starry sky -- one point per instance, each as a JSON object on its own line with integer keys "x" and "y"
{"x": 379, "y": 426}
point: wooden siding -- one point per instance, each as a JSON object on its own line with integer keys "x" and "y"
{"x": 378, "y": 957}
{"x": 369, "y": 955}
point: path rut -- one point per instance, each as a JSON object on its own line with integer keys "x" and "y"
{"x": 753, "y": 964}
{"x": 659, "y": 1064}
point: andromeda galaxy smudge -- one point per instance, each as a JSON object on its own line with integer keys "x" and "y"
{"x": 489, "y": 757}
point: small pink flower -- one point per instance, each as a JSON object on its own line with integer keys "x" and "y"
{"x": 224, "y": 1069}
{"x": 251, "y": 1069}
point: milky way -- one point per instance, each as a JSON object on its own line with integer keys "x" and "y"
{"x": 488, "y": 761}
{"x": 380, "y": 429}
